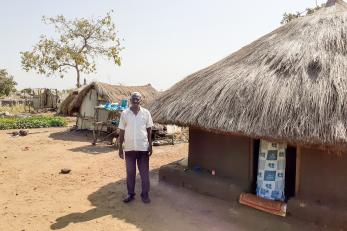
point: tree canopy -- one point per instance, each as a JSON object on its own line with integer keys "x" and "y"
{"x": 27, "y": 90}
{"x": 7, "y": 84}
{"x": 78, "y": 44}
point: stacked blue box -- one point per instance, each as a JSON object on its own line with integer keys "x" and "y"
{"x": 114, "y": 106}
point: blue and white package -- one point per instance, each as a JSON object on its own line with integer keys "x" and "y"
{"x": 271, "y": 170}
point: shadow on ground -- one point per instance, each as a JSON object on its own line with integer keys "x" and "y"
{"x": 77, "y": 135}
{"x": 108, "y": 201}
{"x": 94, "y": 149}
{"x": 74, "y": 135}
{"x": 84, "y": 136}
{"x": 174, "y": 208}
{"x": 104, "y": 200}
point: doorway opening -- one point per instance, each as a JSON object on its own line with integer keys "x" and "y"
{"x": 290, "y": 169}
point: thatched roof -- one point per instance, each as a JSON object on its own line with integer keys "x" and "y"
{"x": 290, "y": 84}
{"x": 63, "y": 108}
{"x": 108, "y": 92}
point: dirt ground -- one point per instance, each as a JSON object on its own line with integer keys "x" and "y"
{"x": 34, "y": 196}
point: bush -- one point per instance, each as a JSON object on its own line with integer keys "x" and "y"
{"x": 32, "y": 122}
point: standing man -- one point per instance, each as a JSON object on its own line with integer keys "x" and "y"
{"x": 136, "y": 133}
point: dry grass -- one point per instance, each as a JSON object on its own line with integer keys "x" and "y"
{"x": 288, "y": 85}
{"x": 108, "y": 92}
{"x": 17, "y": 109}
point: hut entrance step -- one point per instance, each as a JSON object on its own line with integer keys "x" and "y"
{"x": 274, "y": 207}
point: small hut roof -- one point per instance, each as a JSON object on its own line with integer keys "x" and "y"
{"x": 63, "y": 108}
{"x": 108, "y": 92}
{"x": 288, "y": 85}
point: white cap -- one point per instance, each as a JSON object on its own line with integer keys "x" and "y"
{"x": 136, "y": 95}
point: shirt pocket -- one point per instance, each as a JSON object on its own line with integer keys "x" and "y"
{"x": 143, "y": 119}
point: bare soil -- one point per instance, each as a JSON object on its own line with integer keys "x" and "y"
{"x": 34, "y": 195}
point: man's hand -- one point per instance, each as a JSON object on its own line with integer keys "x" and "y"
{"x": 150, "y": 150}
{"x": 149, "y": 137}
{"x": 121, "y": 140}
{"x": 121, "y": 154}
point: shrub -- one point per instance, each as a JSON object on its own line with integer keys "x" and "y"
{"x": 32, "y": 122}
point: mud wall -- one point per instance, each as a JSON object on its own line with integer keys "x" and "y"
{"x": 323, "y": 176}
{"x": 230, "y": 156}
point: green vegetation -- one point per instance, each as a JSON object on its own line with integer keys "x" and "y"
{"x": 287, "y": 17}
{"x": 32, "y": 122}
{"x": 7, "y": 84}
{"x": 27, "y": 91}
{"x": 78, "y": 43}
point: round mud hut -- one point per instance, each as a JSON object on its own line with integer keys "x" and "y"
{"x": 282, "y": 96}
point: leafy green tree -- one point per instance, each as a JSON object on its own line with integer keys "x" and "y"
{"x": 27, "y": 91}
{"x": 7, "y": 84}
{"x": 77, "y": 45}
{"x": 287, "y": 17}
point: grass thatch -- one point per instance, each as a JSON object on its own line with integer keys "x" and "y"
{"x": 63, "y": 108}
{"x": 290, "y": 84}
{"x": 108, "y": 92}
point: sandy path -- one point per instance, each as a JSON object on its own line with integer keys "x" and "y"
{"x": 34, "y": 196}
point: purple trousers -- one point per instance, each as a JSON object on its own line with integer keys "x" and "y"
{"x": 142, "y": 159}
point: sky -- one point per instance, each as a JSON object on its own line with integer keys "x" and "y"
{"x": 164, "y": 41}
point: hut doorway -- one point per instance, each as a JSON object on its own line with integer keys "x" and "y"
{"x": 289, "y": 188}
{"x": 290, "y": 169}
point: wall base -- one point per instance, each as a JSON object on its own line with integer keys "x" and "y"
{"x": 320, "y": 214}
{"x": 226, "y": 189}
{"x": 201, "y": 182}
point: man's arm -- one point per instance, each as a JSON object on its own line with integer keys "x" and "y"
{"x": 121, "y": 127}
{"x": 149, "y": 137}
{"x": 149, "y": 126}
{"x": 121, "y": 141}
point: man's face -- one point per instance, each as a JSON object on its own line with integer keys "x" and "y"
{"x": 135, "y": 101}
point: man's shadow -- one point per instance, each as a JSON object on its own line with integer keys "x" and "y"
{"x": 108, "y": 201}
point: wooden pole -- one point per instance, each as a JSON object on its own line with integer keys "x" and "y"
{"x": 298, "y": 169}
{"x": 56, "y": 99}
{"x": 251, "y": 159}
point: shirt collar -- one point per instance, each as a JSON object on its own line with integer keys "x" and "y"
{"x": 130, "y": 111}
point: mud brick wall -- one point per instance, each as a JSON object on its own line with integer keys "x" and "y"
{"x": 323, "y": 176}
{"x": 230, "y": 156}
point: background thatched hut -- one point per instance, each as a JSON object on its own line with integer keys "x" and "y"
{"x": 84, "y": 100}
{"x": 64, "y": 107}
{"x": 288, "y": 86}
{"x": 43, "y": 98}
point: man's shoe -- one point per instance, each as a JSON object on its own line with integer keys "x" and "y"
{"x": 128, "y": 198}
{"x": 145, "y": 199}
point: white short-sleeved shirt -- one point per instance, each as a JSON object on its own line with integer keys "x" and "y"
{"x": 135, "y": 127}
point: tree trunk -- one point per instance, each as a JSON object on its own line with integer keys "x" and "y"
{"x": 78, "y": 77}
